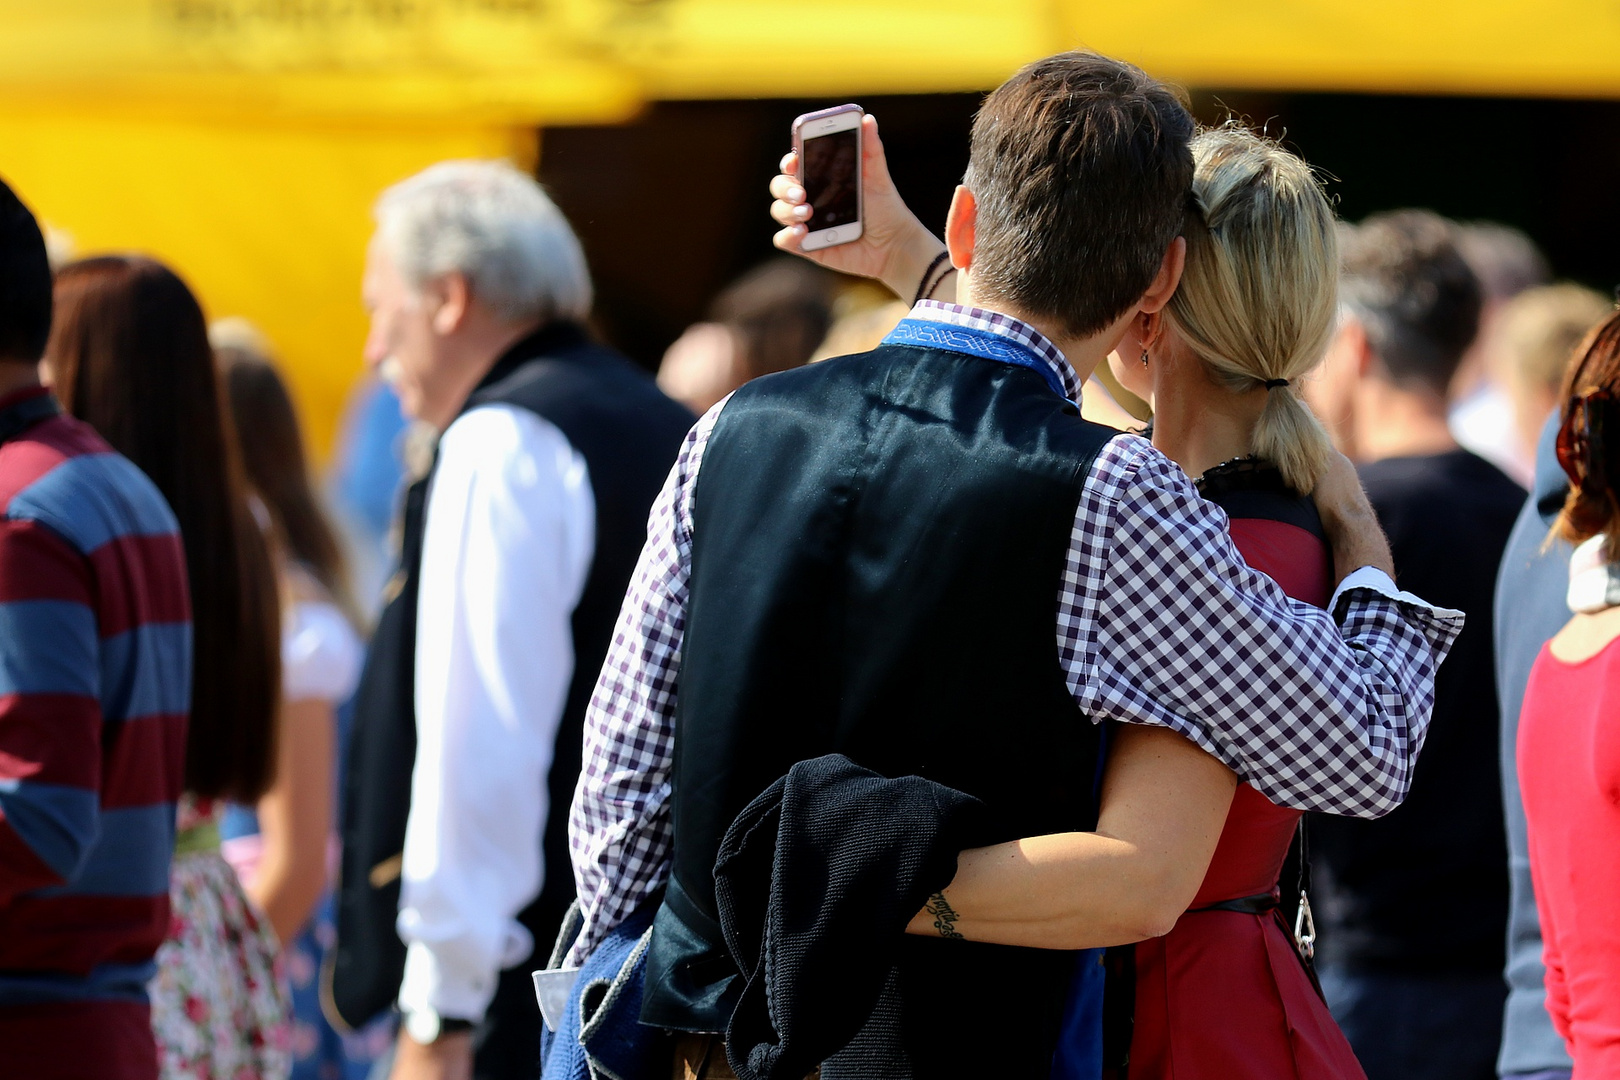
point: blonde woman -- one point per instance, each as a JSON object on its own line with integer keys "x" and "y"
{"x": 1223, "y": 992}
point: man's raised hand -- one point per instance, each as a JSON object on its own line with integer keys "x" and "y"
{"x": 894, "y": 247}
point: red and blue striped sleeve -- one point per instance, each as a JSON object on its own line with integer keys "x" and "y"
{"x": 50, "y": 709}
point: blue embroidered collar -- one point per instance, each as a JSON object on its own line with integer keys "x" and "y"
{"x": 990, "y": 335}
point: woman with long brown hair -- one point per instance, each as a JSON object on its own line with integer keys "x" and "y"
{"x": 282, "y": 849}
{"x": 129, "y": 355}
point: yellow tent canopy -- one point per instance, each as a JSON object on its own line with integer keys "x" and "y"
{"x": 244, "y": 140}
{"x": 558, "y": 61}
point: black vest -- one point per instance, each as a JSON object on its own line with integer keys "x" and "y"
{"x": 879, "y": 543}
{"x": 629, "y": 433}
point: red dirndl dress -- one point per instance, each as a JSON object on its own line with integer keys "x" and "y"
{"x": 1224, "y": 995}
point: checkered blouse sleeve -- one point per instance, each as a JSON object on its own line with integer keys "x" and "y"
{"x": 1161, "y": 622}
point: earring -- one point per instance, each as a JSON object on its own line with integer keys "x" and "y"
{"x": 1144, "y": 358}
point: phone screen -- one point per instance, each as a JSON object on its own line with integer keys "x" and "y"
{"x": 831, "y": 171}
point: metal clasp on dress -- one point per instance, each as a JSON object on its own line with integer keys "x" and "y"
{"x": 1305, "y": 929}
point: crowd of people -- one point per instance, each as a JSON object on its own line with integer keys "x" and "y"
{"x": 869, "y": 695}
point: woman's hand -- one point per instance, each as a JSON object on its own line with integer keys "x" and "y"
{"x": 1348, "y": 518}
{"x": 895, "y": 247}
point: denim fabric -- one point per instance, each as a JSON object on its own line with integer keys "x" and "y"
{"x": 601, "y": 1034}
{"x": 1079, "y": 1054}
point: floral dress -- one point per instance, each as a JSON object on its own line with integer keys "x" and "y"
{"x": 219, "y": 1008}
{"x": 320, "y": 658}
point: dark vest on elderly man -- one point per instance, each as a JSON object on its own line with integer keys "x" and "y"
{"x": 879, "y": 542}
{"x": 628, "y": 433}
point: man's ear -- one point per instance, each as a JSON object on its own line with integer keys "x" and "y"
{"x": 448, "y": 299}
{"x": 1359, "y": 347}
{"x": 1169, "y": 276}
{"x": 961, "y": 227}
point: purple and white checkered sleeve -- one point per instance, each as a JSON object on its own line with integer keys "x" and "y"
{"x": 1161, "y": 622}
{"x": 619, "y": 833}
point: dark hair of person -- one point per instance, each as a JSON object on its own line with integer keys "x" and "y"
{"x": 1589, "y": 439}
{"x": 276, "y": 469}
{"x": 780, "y": 311}
{"x": 1082, "y": 173}
{"x": 25, "y": 282}
{"x": 1408, "y": 284}
{"x": 129, "y": 355}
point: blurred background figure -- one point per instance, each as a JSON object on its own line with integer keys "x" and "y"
{"x": 366, "y": 480}
{"x": 1538, "y": 334}
{"x": 773, "y": 318}
{"x": 95, "y": 664}
{"x": 1569, "y": 767}
{"x": 129, "y": 355}
{"x": 1531, "y": 606}
{"x": 785, "y": 313}
{"x": 862, "y": 315}
{"x": 1506, "y": 262}
{"x": 520, "y": 531}
{"x": 1529, "y": 345}
{"x": 1417, "y": 986}
{"x": 284, "y": 849}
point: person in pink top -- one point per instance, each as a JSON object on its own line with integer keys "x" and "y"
{"x": 1569, "y": 731}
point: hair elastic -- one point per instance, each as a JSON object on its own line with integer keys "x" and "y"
{"x": 1272, "y": 384}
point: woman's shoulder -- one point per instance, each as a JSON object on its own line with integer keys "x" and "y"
{"x": 321, "y": 651}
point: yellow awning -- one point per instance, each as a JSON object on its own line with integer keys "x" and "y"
{"x": 559, "y": 61}
{"x": 244, "y": 140}
{"x": 1493, "y": 47}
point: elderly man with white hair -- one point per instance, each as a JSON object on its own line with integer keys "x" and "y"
{"x": 517, "y": 544}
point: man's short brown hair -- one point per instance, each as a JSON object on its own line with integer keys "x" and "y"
{"x": 1083, "y": 175}
{"x": 1408, "y": 285}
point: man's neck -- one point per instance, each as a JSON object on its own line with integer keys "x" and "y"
{"x": 1394, "y": 422}
{"x": 17, "y": 375}
{"x": 1082, "y": 353}
{"x": 480, "y": 349}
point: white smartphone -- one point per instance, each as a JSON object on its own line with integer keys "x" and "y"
{"x": 829, "y": 148}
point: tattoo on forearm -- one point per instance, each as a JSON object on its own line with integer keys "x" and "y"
{"x": 944, "y": 915}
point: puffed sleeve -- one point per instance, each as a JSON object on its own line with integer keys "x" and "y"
{"x": 320, "y": 653}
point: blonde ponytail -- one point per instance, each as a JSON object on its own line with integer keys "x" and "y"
{"x": 1259, "y": 298}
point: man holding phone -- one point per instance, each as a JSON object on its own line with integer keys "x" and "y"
{"x": 888, "y": 553}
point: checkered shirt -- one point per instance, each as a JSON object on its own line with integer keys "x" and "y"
{"x": 1158, "y": 621}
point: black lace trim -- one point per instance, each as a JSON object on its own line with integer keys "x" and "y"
{"x": 1241, "y": 474}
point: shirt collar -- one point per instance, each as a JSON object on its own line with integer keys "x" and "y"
{"x": 548, "y": 338}
{"x": 994, "y": 322}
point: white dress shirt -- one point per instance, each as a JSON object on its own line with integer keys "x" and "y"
{"x": 508, "y": 541}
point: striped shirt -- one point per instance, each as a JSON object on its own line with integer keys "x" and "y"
{"x": 95, "y": 688}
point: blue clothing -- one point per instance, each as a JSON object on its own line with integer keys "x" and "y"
{"x": 1079, "y": 1053}
{"x": 1408, "y": 1026}
{"x": 319, "y": 1051}
{"x": 1530, "y": 608}
{"x": 606, "y": 1037}
{"x": 368, "y": 474}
